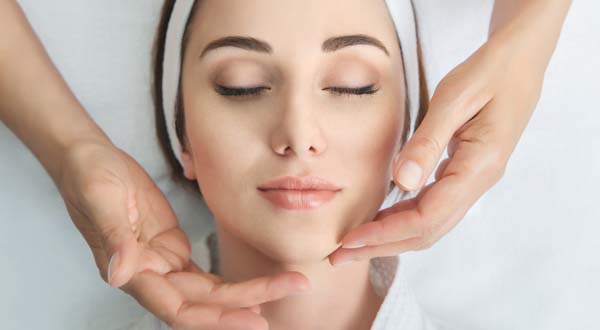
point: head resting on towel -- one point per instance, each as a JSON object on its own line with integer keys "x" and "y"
{"x": 250, "y": 92}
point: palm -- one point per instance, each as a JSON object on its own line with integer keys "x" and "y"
{"x": 113, "y": 178}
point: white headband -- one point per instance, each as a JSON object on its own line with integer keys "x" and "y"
{"x": 401, "y": 12}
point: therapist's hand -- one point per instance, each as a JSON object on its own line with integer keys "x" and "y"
{"x": 478, "y": 111}
{"x": 195, "y": 300}
{"x": 121, "y": 213}
{"x": 123, "y": 216}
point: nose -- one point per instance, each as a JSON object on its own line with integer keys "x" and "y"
{"x": 297, "y": 130}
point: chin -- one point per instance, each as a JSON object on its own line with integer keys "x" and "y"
{"x": 298, "y": 250}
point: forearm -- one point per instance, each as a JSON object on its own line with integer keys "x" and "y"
{"x": 530, "y": 25}
{"x": 35, "y": 101}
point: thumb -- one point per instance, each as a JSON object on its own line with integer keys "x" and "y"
{"x": 117, "y": 226}
{"x": 419, "y": 157}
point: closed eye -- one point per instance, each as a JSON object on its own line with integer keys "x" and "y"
{"x": 366, "y": 90}
{"x": 240, "y": 91}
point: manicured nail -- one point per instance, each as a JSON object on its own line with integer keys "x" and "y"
{"x": 354, "y": 245}
{"x": 409, "y": 174}
{"x": 345, "y": 262}
{"x": 301, "y": 290}
{"x": 114, "y": 261}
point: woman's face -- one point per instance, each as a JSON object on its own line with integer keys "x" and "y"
{"x": 296, "y": 125}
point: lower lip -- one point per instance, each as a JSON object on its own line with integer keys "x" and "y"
{"x": 298, "y": 199}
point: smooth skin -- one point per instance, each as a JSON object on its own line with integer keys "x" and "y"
{"x": 112, "y": 201}
{"x": 297, "y": 124}
{"x": 498, "y": 86}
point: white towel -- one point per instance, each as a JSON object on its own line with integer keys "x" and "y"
{"x": 525, "y": 257}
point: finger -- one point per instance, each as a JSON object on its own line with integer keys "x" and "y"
{"x": 198, "y": 288}
{"x": 168, "y": 251}
{"x": 454, "y": 102}
{"x": 383, "y": 250}
{"x": 157, "y": 295}
{"x": 193, "y": 268}
{"x": 166, "y": 246}
{"x": 154, "y": 261}
{"x": 109, "y": 213}
{"x": 432, "y": 224}
{"x": 256, "y": 309}
{"x": 398, "y": 247}
{"x": 380, "y": 230}
{"x": 439, "y": 173}
{"x": 438, "y": 208}
{"x": 211, "y": 317}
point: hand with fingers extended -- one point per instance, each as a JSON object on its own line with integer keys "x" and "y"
{"x": 195, "y": 300}
{"x": 121, "y": 213}
{"x": 123, "y": 216}
{"x": 478, "y": 111}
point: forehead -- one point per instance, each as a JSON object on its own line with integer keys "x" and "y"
{"x": 292, "y": 26}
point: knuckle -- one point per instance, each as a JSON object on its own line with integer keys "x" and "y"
{"x": 428, "y": 144}
{"x": 382, "y": 228}
{"x": 216, "y": 288}
{"x": 268, "y": 287}
{"x": 173, "y": 320}
{"x": 427, "y": 237}
{"x": 424, "y": 243}
{"x": 453, "y": 93}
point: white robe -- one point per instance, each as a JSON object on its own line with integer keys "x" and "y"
{"x": 399, "y": 309}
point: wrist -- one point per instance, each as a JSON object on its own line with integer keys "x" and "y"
{"x": 65, "y": 134}
{"x": 528, "y": 31}
{"x": 79, "y": 156}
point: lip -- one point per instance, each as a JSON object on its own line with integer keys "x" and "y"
{"x": 299, "y": 193}
{"x": 300, "y": 183}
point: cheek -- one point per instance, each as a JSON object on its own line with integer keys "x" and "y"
{"x": 371, "y": 141}
{"x": 367, "y": 148}
{"x": 223, "y": 149}
{"x": 230, "y": 151}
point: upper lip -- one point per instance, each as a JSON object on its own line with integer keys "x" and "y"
{"x": 299, "y": 183}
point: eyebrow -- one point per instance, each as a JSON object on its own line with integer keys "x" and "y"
{"x": 335, "y": 43}
{"x": 330, "y": 45}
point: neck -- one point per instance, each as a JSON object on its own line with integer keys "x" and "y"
{"x": 347, "y": 290}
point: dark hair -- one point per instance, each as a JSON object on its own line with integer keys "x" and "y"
{"x": 157, "y": 94}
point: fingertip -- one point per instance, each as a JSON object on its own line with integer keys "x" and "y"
{"x": 123, "y": 263}
{"x": 408, "y": 175}
{"x": 113, "y": 263}
{"x": 303, "y": 282}
{"x": 116, "y": 276}
{"x": 255, "y": 309}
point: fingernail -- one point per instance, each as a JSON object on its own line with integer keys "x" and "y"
{"x": 409, "y": 174}
{"x": 301, "y": 290}
{"x": 345, "y": 262}
{"x": 112, "y": 264}
{"x": 354, "y": 245}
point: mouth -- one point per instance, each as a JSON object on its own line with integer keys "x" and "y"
{"x": 299, "y": 193}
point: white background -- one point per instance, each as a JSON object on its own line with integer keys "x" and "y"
{"x": 524, "y": 257}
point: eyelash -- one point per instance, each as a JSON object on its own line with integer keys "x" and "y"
{"x": 255, "y": 91}
{"x": 240, "y": 92}
{"x": 360, "y": 91}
